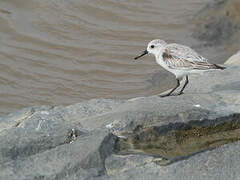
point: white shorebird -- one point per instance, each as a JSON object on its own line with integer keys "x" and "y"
{"x": 179, "y": 60}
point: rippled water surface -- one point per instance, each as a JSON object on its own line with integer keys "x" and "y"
{"x": 64, "y": 51}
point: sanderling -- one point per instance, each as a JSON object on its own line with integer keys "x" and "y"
{"x": 179, "y": 60}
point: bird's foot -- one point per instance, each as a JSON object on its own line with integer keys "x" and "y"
{"x": 164, "y": 95}
{"x": 180, "y": 93}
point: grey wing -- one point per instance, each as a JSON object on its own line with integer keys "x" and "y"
{"x": 182, "y": 57}
{"x": 184, "y": 52}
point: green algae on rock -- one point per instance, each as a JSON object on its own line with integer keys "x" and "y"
{"x": 181, "y": 140}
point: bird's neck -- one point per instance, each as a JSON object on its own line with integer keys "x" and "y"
{"x": 158, "y": 55}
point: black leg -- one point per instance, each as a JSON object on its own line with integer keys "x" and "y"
{"x": 186, "y": 82}
{"x": 168, "y": 94}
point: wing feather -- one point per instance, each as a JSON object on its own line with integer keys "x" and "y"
{"x": 184, "y": 52}
{"x": 182, "y": 57}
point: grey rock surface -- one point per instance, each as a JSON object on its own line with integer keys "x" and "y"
{"x": 209, "y": 96}
{"x": 80, "y": 141}
{"x": 81, "y": 159}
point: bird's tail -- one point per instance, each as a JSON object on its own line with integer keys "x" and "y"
{"x": 215, "y": 66}
{"x": 207, "y": 66}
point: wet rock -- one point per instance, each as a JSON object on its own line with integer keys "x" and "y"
{"x": 218, "y": 23}
{"x": 179, "y": 140}
{"x": 217, "y": 164}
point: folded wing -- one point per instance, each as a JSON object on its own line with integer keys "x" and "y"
{"x": 178, "y": 56}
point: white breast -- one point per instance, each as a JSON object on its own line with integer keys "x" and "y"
{"x": 161, "y": 62}
{"x": 178, "y": 73}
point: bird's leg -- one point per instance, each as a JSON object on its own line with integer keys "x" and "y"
{"x": 168, "y": 94}
{"x": 185, "y": 84}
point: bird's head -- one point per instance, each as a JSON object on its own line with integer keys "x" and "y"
{"x": 154, "y": 47}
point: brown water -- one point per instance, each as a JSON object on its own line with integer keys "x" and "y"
{"x": 64, "y": 51}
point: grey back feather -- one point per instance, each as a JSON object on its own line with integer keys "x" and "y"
{"x": 183, "y": 52}
{"x": 178, "y": 56}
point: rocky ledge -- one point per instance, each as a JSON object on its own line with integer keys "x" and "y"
{"x": 192, "y": 136}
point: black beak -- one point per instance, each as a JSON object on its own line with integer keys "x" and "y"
{"x": 143, "y": 53}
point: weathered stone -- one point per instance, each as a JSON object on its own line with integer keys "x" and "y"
{"x": 83, "y": 158}
{"x": 209, "y": 96}
{"x": 217, "y": 164}
{"x": 47, "y": 143}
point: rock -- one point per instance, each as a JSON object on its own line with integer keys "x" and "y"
{"x": 46, "y": 144}
{"x": 234, "y": 59}
{"x": 217, "y": 164}
{"x": 81, "y": 159}
{"x": 192, "y": 136}
{"x": 195, "y": 104}
{"x": 218, "y": 23}
{"x": 15, "y": 119}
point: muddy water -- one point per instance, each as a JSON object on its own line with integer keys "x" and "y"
{"x": 61, "y": 52}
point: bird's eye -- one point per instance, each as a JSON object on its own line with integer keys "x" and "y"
{"x": 152, "y": 46}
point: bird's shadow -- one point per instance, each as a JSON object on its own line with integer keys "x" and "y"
{"x": 165, "y": 95}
